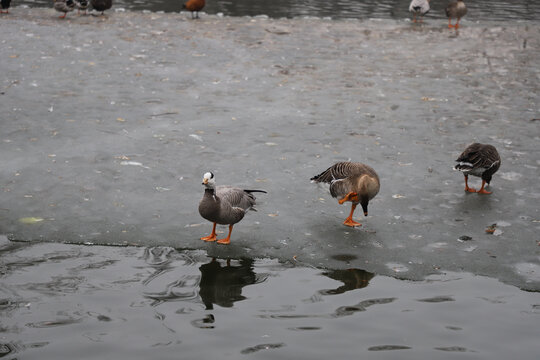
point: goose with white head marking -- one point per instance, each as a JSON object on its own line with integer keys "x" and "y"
{"x": 480, "y": 160}
{"x": 224, "y": 205}
{"x": 351, "y": 181}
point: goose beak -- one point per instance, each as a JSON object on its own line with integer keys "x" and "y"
{"x": 205, "y": 181}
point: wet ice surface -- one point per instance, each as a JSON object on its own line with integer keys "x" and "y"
{"x": 108, "y": 125}
{"x": 139, "y": 303}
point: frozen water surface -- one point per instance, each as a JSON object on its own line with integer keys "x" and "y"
{"x": 108, "y": 125}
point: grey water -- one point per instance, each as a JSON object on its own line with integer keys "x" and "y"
{"x": 87, "y": 302}
{"x": 498, "y": 10}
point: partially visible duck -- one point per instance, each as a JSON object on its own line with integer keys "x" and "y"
{"x": 224, "y": 205}
{"x": 351, "y": 181}
{"x": 419, "y": 7}
{"x": 194, "y": 6}
{"x": 456, "y": 9}
{"x": 101, "y": 5}
{"x": 5, "y": 6}
{"x": 64, "y": 6}
{"x": 81, "y": 5}
{"x": 480, "y": 160}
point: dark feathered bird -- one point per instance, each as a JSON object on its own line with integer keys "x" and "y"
{"x": 480, "y": 160}
{"x": 194, "y": 6}
{"x": 351, "y": 181}
{"x": 64, "y": 6}
{"x": 456, "y": 9}
{"x": 101, "y": 5}
{"x": 5, "y": 6}
{"x": 224, "y": 205}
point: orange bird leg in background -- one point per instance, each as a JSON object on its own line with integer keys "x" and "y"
{"x": 227, "y": 240}
{"x": 482, "y": 190}
{"x": 349, "y": 220}
{"x": 450, "y": 23}
{"x": 212, "y": 236}
{"x": 467, "y": 188}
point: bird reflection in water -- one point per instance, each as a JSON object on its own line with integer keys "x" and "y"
{"x": 222, "y": 285}
{"x": 351, "y": 278}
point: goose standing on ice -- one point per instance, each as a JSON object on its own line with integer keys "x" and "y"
{"x": 81, "y": 5}
{"x": 419, "y": 7}
{"x": 64, "y": 6}
{"x": 101, "y": 5}
{"x": 456, "y": 9}
{"x": 224, "y": 205}
{"x": 5, "y": 6}
{"x": 351, "y": 181}
{"x": 480, "y": 160}
{"x": 194, "y": 6}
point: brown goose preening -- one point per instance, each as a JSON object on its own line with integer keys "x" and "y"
{"x": 64, "y": 6}
{"x": 224, "y": 205}
{"x": 351, "y": 181}
{"x": 456, "y": 9}
{"x": 480, "y": 160}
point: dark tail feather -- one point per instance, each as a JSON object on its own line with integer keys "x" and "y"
{"x": 252, "y": 191}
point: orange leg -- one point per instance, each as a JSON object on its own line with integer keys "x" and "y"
{"x": 227, "y": 240}
{"x": 352, "y": 196}
{"x": 482, "y": 190}
{"x": 467, "y": 188}
{"x": 63, "y": 16}
{"x": 450, "y": 23}
{"x": 349, "y": 220}
{"x": 457, "y": 24}
{"x": 212, "y": 236}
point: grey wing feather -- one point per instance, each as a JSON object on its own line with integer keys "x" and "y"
{"x": 236, "y": 197}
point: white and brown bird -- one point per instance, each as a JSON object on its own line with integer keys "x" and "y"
{"x": 456, "y": 9}
{"x": 224, "y": 205}
{"x": 64, "y": 6}
{"x": 82, "y": 5}
{"x": 480, "y": 160}
{"x": 351, "y": 181}
{"x": 419, "y": 7}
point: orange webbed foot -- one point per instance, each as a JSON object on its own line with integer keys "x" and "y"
{"x": 350, "y": 222}
{"x": 470, "y": 189}
{"x": 225, "y": 241}
{"x": 483, "y": 191}
{"x": 211, "y": 237}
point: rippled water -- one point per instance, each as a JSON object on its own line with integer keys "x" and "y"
{"x": 395, "y": 9}
{"x": 87, "y": 302}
